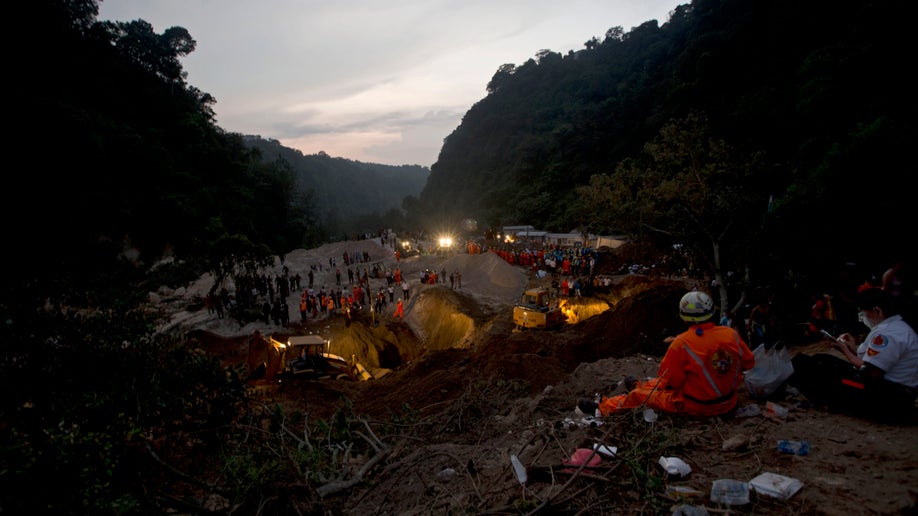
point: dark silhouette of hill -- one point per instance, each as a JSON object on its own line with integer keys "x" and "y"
{"x": 818, "y": 91}
{"x": 348, "y": 196}
{"x": 119, "y": 163}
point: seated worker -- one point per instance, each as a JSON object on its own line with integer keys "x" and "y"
{"x": 699, "y": 374}
{"x": 877, "y": 379}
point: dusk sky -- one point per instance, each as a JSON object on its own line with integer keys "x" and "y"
{"x": 377, "y": 82}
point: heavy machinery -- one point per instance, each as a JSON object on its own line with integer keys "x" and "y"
{"x": 301, "y": 356}
{"x": 534, "y": 311}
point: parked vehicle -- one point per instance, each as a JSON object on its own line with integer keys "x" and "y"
{"x": 307, "y": 356}
{"x": 534, "y": 311}
{"x": 302, "y": 356}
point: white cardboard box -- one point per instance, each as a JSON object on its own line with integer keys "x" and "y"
{"x": 776, "y": 486}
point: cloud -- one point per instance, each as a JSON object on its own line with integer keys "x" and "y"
{"x": 364, "y": 80}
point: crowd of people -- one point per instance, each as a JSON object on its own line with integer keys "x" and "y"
{"x": 364, "y": 282}
{"x": 873, "y": 376}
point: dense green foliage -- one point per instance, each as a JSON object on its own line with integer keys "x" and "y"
{"x": 816, "y": 92}
{"x": 121, "y": 152}
{"x": 120, "y": 165}
{"x": 349, "y": 197}
{"x": 757, "y": 132}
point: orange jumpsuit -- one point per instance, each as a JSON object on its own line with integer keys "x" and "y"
{"x": 698, "y": 376}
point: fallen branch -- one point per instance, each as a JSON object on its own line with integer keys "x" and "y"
{"x": 338, "y": 486}
{"x": 382, "y": 451}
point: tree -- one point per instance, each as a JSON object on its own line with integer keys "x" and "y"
{"x": 692, "y": 189}
{"x": 501, "y": 76}
{"x": 158, "y": 54}
{"x": 616, "y": 33}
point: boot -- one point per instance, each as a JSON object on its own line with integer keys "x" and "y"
{"x": 630, "y": 383}
{"x": 587, "y": 407}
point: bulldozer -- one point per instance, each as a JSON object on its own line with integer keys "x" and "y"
{"x": 534, "y": 311}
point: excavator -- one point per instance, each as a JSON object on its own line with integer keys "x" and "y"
{"x": 534, "y": 311}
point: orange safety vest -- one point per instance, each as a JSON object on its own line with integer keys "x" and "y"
{"x": 699, "y": 375}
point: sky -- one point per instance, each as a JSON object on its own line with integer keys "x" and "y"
{"x": 371, "y": 81}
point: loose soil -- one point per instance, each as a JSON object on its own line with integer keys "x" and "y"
{"x": 470, "y": 391}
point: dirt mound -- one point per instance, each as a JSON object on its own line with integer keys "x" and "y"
{"x": 463, "y": 391}
{"x": 447, "y": 318}
{"x": 487, "y": 347}
{"x": 637, "y": 322}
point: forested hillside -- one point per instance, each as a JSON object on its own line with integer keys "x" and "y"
{"x": 739, "y": 129}
{"x": 778, "y": 121}
{"x": 770, "y": 134}
{"x": 119, "y": 152}
{"x": 348, "y": 196}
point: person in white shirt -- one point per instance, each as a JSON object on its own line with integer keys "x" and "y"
{"x": 877, "y": 378}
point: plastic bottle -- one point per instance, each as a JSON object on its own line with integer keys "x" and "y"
{"x": 774, "y": 410}
{"x": 794, "y": 447}
{"x": 749, "y": 410}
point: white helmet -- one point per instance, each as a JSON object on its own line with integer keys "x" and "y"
{"x": 696, "y": 307}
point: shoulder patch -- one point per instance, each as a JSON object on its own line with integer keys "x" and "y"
{"x": 879, "y": 341}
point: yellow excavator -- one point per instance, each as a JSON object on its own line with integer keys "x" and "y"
{"x": 534, "y": 311}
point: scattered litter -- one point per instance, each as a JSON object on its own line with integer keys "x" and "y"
{"x": 690, "y": 510}
{"x": 794, "y": 447}
{"x": 580, "y": 457}
{"x": 730, "y": 492}
{"x": 590, "y": 421}
{"x": 519, "y": 469}
{"x": 776, "y": 486}
{"x": 649, "y": 415}
{"x": 608, "y": 451}
{"x": 775, "y": 411}
{"x": 675, "y": 466}
{"x": 447, "y": 474}
{"x": 737, "y": 442}
{"x": 677, "y": 493}
{"x": 749, "y": 410}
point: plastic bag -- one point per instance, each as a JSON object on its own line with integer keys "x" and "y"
{"x": 772, "y": 368}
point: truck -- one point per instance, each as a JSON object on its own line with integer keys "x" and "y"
{"x": 535, "y": 311}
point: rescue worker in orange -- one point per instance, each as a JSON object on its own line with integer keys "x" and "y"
{"x": 699, "y": 374}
